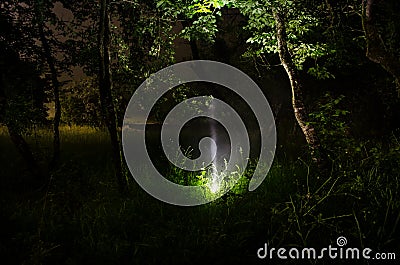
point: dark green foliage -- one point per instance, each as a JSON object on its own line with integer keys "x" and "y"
{"x": 332, "y": 122}
{"x": 20, "y": 78}
{"x": 25, "y": 92}
{"x": 82, "y": 219}
{"x": 81, "y": 104}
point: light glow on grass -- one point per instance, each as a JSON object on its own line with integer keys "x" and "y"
{"x": 214, "y": 180}
{"x": 214, "y": 185}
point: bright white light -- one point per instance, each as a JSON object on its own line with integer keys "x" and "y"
{"x": 214, "y": 185}
{"x": 214, "y": 180}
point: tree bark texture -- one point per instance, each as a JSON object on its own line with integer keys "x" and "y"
{"x": 376, "y": 50}
{"x": 300, "y": 111}
{"x": 105, "y": 88}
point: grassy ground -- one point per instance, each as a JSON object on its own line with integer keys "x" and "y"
{"x": 82, "y": 219}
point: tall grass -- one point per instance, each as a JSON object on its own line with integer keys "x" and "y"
{"x": 82, "y": 219}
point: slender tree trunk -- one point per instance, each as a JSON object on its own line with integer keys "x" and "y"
{"x": 105, "y": 87}
{"x": 47, "y": 53}
{"x": 376, "y": 50}
{"x": 300, "y": 111}
{"x": 19, "y": 142}
{"x": 56, "y": 93}
{"x": 195, "y": 50}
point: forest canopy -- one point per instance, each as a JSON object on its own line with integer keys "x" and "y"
{"x": 330, "y": 71}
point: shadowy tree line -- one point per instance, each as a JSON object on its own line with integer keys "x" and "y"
{"x": 119, "y": 43}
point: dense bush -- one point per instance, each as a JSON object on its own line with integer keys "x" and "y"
{"x": 25, "y": 91}
{"x": 82, "y": 218}
{"x": 81, "y": 103}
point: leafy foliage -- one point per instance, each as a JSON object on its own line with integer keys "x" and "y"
{"x": 332, "y": 123}
{"x": 82, "y": 104}
{"x": 303, "y": 25}
{"x": 81, "y": 218}
{"x": 25, "y": 92}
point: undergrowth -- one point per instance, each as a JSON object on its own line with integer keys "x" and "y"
{"x": 82, "y": 219}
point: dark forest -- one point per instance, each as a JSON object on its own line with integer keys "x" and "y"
{"x": 311, "y": 165}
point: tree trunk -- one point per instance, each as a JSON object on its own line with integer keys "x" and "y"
{"x": 105, "y": 87}
{"x": 193, "y": 44}
{"x": 376, "y": 50}
{"x": 19, "y": 142}
{"x": 56, "y": 93}
{"x": 300, "y": 111}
